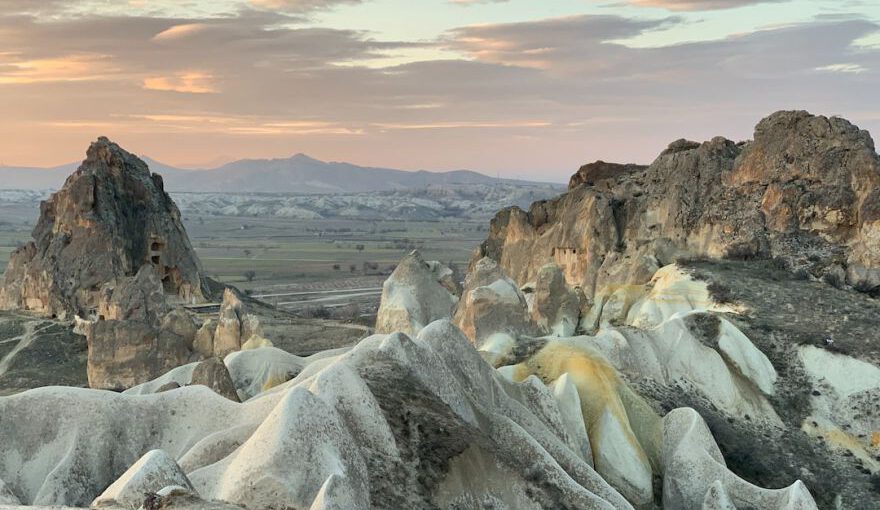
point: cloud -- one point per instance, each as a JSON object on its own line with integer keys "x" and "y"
{"x": 180, "y": 31}
{"x": 300, "y": 5}
{"x": 63, "y": 68}
{"x": 545, "y": 95}
{"x": 584, "y": 42}
{"x": 843, "y": 68}
{"x": 190, "y": 82}
{"x": 698, "y": 5}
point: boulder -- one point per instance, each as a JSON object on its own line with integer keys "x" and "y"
{"x": 154, "y": 471}
{"x": 213, "y": 374}
{"x": 416, "y": 294}
{"x": 493, "y": 311}
{"x": 111, "y": 218}
{"x": 171, "y": 385}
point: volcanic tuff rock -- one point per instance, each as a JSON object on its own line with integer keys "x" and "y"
{"x": 592, "y": 174}
{"x": 416, "y": 294}
{"x": 394, "y": 422}
{"x": 806, "y": 190}
{"x": 111, "y": 218}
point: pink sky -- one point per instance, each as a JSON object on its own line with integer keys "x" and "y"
{"x": 527, "y": 94}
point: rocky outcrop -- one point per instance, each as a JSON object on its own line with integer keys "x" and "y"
{"x": 142, "y": 338}
{"x": 213, "y": 374}
{"x": 153, "y": 472}
{"x": 234, "y": 326}
{"x": 416, "y": 294}
{"x": 599, "y": 172}
{"x": 111, "y": 218}
{"x": 493, "y": 311}
{"x": 805, "y": 191}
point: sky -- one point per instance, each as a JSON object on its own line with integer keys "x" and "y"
{"x": 521, "y": 88}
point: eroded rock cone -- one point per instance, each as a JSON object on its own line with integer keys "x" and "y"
{"x": 111, "y": 217}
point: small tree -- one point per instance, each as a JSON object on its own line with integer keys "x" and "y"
{"x": 249, "y": 275}
{"x": 352, "y": 268}
{"x": 247, "y": 253}
{"x": 360, "y": 247}
{"x": 336, "y": 267}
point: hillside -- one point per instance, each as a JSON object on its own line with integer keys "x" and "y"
{"x": 297, "y": 174}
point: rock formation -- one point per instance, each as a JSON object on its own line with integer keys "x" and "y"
{"x": 393, "y": 423}
{"x": 610, "y": 350}
{"x": 152, "y": 473}
{"x": 213, "y": 374}
{"x": 416, "y": 294}
{"x": 111, "y": 218}
{"x": 555, "y": 308}
{"x": 142, "y": 338}
{"x": 234, "y": 327}
{"x": 493, "y": 311}
{"x": 806, "y": 191}
{"x": 593, "y": 174}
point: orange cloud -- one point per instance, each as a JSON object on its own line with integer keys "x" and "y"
{"x": 190, "y": 82}
{"x": 179, "y": 31}
{"x": 60, "y": 69}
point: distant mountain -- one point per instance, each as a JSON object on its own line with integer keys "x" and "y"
{"x": 34, "y": 178}
{"x": 297, "y": 174}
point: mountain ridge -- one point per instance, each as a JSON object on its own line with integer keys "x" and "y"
{"x": 299, "y": 173}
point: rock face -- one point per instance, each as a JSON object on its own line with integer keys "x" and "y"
{"x": 806, "y": 190}
{"x": 7, "y": 497}
{"x": 143, "y": 337}
{"x": 555, "y": 307}
{"x": 595, "y": 173}
{"x": 213, "y": 374}
{"x": 416, "y": 294}
{"x": 493, "y": 311}
{"x": 111, "y": 218}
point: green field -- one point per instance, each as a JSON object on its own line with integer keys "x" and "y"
{"x": 283, "y": 251}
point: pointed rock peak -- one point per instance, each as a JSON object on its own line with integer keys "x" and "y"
{"x": 105, "y": 153}
{"x": 153, "y": 472}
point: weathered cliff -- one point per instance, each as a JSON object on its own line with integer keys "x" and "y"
{"x": 805, "y": 191}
